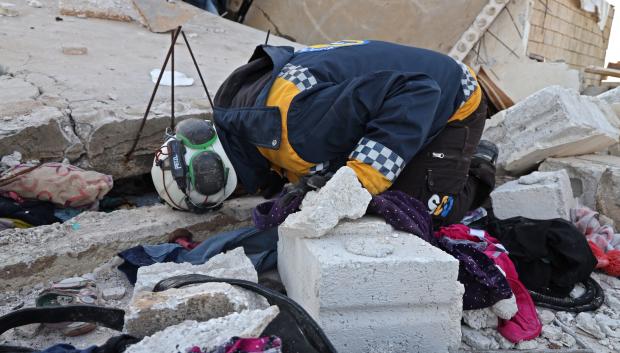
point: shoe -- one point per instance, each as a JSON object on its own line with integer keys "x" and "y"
{"x": 487, "y": 151}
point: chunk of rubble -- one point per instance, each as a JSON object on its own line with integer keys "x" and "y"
{"x": 553, "y": 122}
{"x": 232, "y": 264}
{"x": 546, "y": 316}
{"x": 405, "y": 291}
{"x": 588, "y": 324}
{"x": 612, "y": 96}
{"x": 608, "y": 193}
{"x": 477, "y": 340}
{"x": 540, "y": 195}
{"x": 343, "y": 197}
{"x": 118, "y": 10}
{"x": 113, "y": 293}
{"x": 206, "y": 335}
{"x": 150, "y": 312}
{"x": 479, "y": 319}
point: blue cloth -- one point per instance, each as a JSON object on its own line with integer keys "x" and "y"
{"x": 67, "y": 348}
{"x": 259, "y": 245}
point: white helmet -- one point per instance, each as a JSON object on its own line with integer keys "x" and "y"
{"x": 191, "y": 170}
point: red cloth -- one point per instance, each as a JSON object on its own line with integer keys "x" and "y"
{"x": 525, "y": 325}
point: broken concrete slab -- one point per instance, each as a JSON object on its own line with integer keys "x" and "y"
{"x": 119, "y": 10}
{"x": 612, "y": 96}
{"x": 540, "y": 195}
{"x": 406, "y": 298}
{"x": 343, "y": 197}
{"x": 164, "y": 16}
{"x": 58, "y": 251}
{"x": 232, "y": 264}
{"x": 44, "y": 134}
{"x": 553, "y": 122}
{"x": 150, "y": 312}
{"x": 608, "y": 194}
{"x": 206, "y": 335}
{"x": 585, "y": 173}
{"x": 113, "y": 77}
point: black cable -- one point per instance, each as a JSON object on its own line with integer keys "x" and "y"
{"x": 591, "y": 300}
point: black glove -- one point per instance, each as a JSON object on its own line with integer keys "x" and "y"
{"x": 273, "y": 185}
{"x": 305, "y": 184}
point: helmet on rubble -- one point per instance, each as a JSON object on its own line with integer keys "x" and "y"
{"x": 191, "y": 170}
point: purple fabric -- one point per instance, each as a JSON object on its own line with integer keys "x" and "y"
{"x": 404, "y": 213}
{"x": 484, "y": 284}
{"x": 273, "y": 212}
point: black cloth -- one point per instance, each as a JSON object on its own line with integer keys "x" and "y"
{"x": 443, "y": 175}
{"x": 36, "y": 213}
{"x": 551, "y": 256}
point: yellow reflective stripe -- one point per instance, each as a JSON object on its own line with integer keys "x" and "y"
{"x": 371, "y": 179}
{"x": 470, "y": 105}
{"x": 281, "y": 95}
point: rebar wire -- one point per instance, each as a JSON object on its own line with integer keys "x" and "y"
{"x": 172, "y": 84}
{"x": 148, "y": 108}
{"x": 197, "y": 69}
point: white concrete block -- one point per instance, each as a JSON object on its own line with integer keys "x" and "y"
{"x": 612, "y": 96}
{"x": 540, "y": 195}
{"x": 232, "y": 264}
{"x": 374, "y": 289}
{"x": 206, "y": 335}
{"x": 343, "y": 197}
{"x": 585, "y": 173}
{"x": 553, "y": 122}
{"x": 150, "y": 312}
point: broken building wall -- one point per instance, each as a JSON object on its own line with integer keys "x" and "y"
{"x": 561, "y": 31}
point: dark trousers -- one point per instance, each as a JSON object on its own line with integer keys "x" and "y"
{"x": 442, "y": 175}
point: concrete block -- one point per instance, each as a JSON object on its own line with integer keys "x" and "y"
{"x": 233, "y": 264}
{"x": 612, "y": 96}
{"x": 540, "y": 195}
{"x": 57, "y": 251}
{"x": 553, "y": 122}
{"x": 373, "y": 289}
{"x": 206, "y": 335}
{"x": 343, "y": 197}
{"x": 150, "y": 312}
{"x": 585, "y": 173}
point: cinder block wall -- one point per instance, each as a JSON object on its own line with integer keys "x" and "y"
{"x": 560, "y": 30}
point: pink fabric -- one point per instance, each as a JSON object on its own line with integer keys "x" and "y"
{"x": 586, "y": 220}
{"x": 525, "y": 325}
{"x": 62, "y": 184}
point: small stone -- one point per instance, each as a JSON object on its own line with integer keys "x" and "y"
{"x": 477, "y": 340}
{"x": 35, "y": 3}
{"x": 74, "y": 50}
{"x": 586, "y": 323}
{"x": 114, "y": 293}
{"x": 565, "y": 318}
{"x": 546, "y": 316}
{"x": 479, "y": 319}
{"x": 568, "y": 340}
{"x": 527, "y": 345}
{"x": 28, "y": 331}
{"x": 552, "y": 332}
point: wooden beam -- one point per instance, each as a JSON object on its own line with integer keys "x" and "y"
{"x": 602, "y": 71}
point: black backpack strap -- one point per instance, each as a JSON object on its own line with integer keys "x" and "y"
{"x": 107, "y": 317}
{"x": 306, "y": 326}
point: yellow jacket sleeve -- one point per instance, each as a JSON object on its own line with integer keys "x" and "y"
{"x": 371, "y": 179}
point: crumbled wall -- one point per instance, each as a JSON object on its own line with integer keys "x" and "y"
{"x": 560, "y": 30}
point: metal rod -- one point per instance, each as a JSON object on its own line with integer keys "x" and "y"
{"x": 172, "y": 84}
{"x": 148, "y": 108}
{"x": 197, "y": 68}
{"x": 504, "y": 44}
{"x": 267, "y": 38}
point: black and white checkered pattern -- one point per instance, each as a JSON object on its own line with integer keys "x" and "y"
{"x": 468, "y": 82}
{"x": 383, "y": 159}
{"x": 299, "y": 76}
{"x": 319, "y": 167}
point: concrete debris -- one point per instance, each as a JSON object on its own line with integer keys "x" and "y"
{"x": 35, "y": 3}
{"x": 52, "y": 252}
{"x": 585, "y": 173}
{"x": 8, "y": 9}
{"x": 612, "y": 96}
{"x": 546, "y": 316}
{"x": 119, "y": 10}
{"x": 152, "y": 312}
{"x": 527, "y": 345}
{"x": 74, "y": 50}
{"x": 206, "y": 335}
{"x": 552, "y": 332}
{"x": 479, "y": 319}
{"x": 343, "y": 197}
{"x": 608, "y": 192}
{"x": 553, "y": 122}
{"x": 356, "y": 294}
{"x": 540, "y": 195}
{"x": 10, "y": 161}
{"x": 115, "y": 293}
{"x": 586, "y": 323}
{"x": 163, "y": 16}
{"x": 232, "y": 264}
{"x": 180, "y": 79}
{"x": 477, "y": 340}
